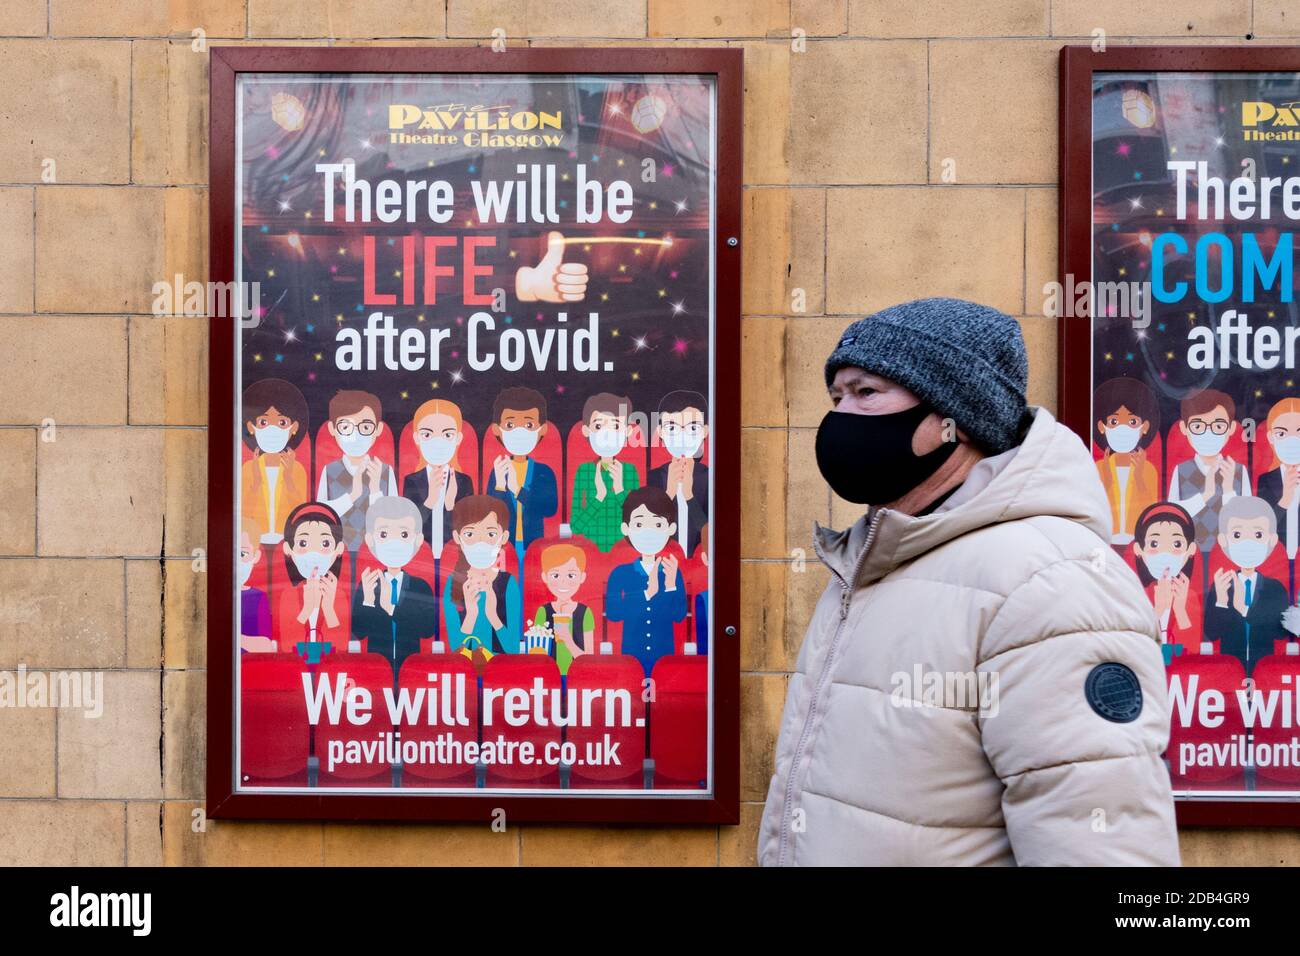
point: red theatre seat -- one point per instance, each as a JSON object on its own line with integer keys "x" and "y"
{"x": 455, "y": 677}
{"x": 274, "y": 736}
{"x": 504, "y": 673}
{"x": 1225, "y": 674}
{"x": 374, "y": 673}
{"x": 679, "y": 722}
{"x": 612, "y": 675}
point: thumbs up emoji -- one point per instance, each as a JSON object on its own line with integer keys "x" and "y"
{"x": 552, "y": 279}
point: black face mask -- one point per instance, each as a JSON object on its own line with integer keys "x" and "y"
{"x": 868, "y": 459}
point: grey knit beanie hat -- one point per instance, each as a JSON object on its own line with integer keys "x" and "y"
{"x": 966, "y": 360}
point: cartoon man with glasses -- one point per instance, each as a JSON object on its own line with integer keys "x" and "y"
{"x": 356, "y": 478}
{"x": 1202, "y": 483}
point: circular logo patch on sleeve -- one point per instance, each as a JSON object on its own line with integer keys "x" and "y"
{"x": 1114, "y": 692}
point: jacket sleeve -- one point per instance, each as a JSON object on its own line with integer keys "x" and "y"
{"x": 1080, "y": 788}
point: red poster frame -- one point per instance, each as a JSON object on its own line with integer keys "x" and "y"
{"x": 723, "y": 805}
{"x": 1074, "y": 371}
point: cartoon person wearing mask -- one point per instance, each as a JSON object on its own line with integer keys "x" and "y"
{"x": 1280, "y": 485}
{"x": 682, "y": 430}
{"x": 1165, "y": 546}
{"x": 273, "y": 482}
{"x": 314, "y": 609}
{"x": 357, "y": 479}
{"x": 480, "y": 600}
{"x": 647, "y": 594}
{"x": 1128, "y": 419}
{"x": 527, "y": 487}
{"x": 1202, "y": 483}
{"x": 600, "y": 486}
{"x": 1245, "y": 611}
{"x": 394, "y": 610}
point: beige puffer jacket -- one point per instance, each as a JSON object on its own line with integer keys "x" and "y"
{"x": 1010, "y": 587}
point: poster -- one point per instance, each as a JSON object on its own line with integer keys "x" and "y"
{"x": 1195, "y": 418}
{"x": 477, "y": 406}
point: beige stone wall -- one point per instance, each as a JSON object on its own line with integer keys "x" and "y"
{"x": 847, "y": 144}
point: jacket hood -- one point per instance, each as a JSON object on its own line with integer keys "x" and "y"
{"x": 1051, "y": 473}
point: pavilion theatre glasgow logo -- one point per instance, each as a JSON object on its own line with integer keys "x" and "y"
{"x": 476, "y": 127}
{"x": 1270, "y": 122}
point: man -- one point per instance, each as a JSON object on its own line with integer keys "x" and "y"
{"x": 393, "y": 609}
{"x": 1245, "y": 611}
{"x": 982, "y": 561}
{"x": 355, "y": 480}
{"x": 647, "y": 594}
{"x": 681, "y": 430}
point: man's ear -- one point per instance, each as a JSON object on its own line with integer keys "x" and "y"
{"x": 333, "y": 433}
{"x": 1182, "y": 427}
{"x": 496, "y": 429}
{"x": 624, "y": 529}
{"x": 370, "y": 541}
{"x": 379, "y": 429}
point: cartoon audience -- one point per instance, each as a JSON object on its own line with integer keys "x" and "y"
{"x": 386, "y": 601}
